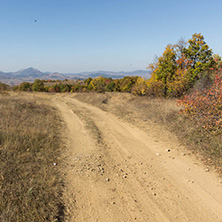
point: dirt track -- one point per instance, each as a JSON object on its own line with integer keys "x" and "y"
{"x": 117, "y": 172}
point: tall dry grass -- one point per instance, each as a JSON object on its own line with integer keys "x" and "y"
{"x": 30, "y": 183}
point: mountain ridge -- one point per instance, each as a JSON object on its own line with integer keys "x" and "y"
{"x": 30, "y": 74}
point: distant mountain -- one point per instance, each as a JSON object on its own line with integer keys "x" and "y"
{"x": 55, "y": 75}
{"x": 110, "y": 74}
{"x": 4, "y": 75}
{"x": 30, "y": 74}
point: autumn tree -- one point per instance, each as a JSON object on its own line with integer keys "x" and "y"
{"x": 181, "y": 66}
{"x": 98, "y": 84}
{"x": 218, "y": 61}
{"x": 87, "y": 81}
{"x": 205, "y": 106}
{"x": 127, "y": 83}
{"x": 179, "y": 84}
{"x": 110, "y": 86}
{"x": 199, "y": 57}
{"x": 164, "y": 69}
{"x": 56, "y": 88}
{"x": 179, "y": 48}
{"x": 65, "y": 87}
{"x": 140, "y": 87}
{"x": 117, "y": 85}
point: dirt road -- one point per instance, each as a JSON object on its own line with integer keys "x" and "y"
{"x": 117, "y": 172}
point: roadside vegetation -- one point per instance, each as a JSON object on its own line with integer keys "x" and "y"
{"x": 165, "y": 114}
{"x": 184, "y": 94}
{"x": 30, "y": 146}
{"x": 188, "y": 72}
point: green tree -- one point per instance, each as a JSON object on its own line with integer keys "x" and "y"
{"x": 199, "y": 57}
{"x": 165, "y": 67}
{"x": 38, "y": 85}
{"x": 25, "y": 86}
{"x": 64, "y": 87}
{"x": 56, "y": 87}
{"x": 110, "y": 86}
{"x": 117, "y": 85}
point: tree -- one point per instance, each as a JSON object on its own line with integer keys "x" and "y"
{"x": 87, "y": 81}
{"x": 181, "y": 66}
{"x": 117, "y": 85}
{"x": 164, "y": 69}
{"x": 127, "y": 83}
{"x": 25, "y": 86}
{"x": 110, "y": 86}
{"x": 98, "y": 84}
{"x": 38, "y": 85}
{"x": 218, "y": 61}
{"x": 199, "y": 57}
{"x": 64, "y": 87}
{"x": 140, "y": 87}
{"x": 179, "y": 48}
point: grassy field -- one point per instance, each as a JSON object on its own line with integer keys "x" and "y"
{"x": 30, "y": 145}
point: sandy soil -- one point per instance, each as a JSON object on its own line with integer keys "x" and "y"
{"x": 116, "y": 171}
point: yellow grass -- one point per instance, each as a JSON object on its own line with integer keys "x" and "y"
{"x": 30, "y": 184}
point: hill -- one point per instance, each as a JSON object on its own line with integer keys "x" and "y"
{"x": 30, "y": 74}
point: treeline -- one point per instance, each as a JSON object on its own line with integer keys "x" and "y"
{"x": 181, "y": 67}
{"x": 186, "y": 70}
{"x": 131, "y": 84}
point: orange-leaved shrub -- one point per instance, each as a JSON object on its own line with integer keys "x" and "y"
{"x": 206, "y": 106}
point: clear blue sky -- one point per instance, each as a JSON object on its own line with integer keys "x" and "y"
{"x": 90, "y": 35}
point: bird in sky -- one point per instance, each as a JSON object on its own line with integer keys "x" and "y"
{"x": 35, "y": 20}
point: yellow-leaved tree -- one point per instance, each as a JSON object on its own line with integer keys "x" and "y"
{"x": 163, "y": 71}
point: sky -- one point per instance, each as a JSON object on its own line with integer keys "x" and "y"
{"x": 73, "y": 36}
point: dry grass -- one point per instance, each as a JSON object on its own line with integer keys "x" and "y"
{"x": 133, "y": 108}
{"x": 165, "y": 113}
{"x": 30, "y": 184}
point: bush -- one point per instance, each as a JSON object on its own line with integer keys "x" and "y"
{"x": 206, "y": 106}
{"x": 110, "y": 87}
{"x": 127, "y": 83}
{"x": 25, "y": 86}
{"x": 38, "y": 85}
{"x": 140, "y": 87}
{"x": 98, "y": 84}
{"x": 65, "y": 88}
